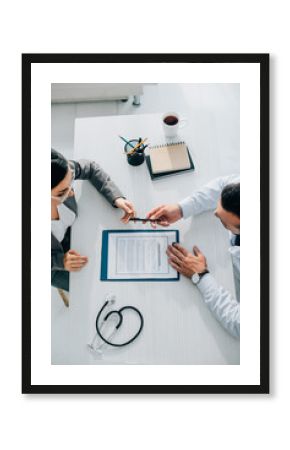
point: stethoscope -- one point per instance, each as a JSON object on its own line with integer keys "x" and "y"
{"x": 110, "y": 300}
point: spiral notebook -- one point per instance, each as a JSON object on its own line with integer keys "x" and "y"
{"x": 169, "y": 159}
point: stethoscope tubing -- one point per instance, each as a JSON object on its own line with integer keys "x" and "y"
{"x": 119, "y": 314}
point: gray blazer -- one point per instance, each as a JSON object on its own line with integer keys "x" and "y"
{"x": 84, "y": 170}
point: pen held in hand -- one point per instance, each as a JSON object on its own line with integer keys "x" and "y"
{"x": 139, "y": 219}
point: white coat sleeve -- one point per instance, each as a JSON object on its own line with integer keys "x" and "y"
{"x": 206, "y": 198}
{"x": 222, "y": 304}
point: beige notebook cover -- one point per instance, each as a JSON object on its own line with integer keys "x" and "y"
{"x": 169, "y": 157}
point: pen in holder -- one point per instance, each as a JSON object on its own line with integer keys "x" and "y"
{"x": 135, "y": 157}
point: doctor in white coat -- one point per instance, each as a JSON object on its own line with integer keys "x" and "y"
{"x": 222, "y": 196}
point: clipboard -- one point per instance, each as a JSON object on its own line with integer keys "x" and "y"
{"x": 107, "y": 252}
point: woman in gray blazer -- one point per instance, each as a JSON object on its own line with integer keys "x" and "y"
{"x": 64, "y": 211}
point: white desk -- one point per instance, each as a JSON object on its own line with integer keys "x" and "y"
{"x": 179, "y": 329}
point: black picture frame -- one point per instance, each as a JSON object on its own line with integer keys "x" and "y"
{"x": 263, "y": 61}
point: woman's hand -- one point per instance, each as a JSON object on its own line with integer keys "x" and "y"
{"x": 165, "y": 215}
{"x": 73, "y": 261}
{"x": 127, "y": 207}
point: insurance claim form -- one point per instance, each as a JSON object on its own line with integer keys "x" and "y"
{"x": 140, "y": 254}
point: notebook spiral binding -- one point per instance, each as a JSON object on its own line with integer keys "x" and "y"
{"x": 170, "y": 144}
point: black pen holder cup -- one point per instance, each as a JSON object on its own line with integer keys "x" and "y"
{"x": 137, "y": 157}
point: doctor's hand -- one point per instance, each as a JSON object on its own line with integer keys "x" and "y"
{"x": 127, "y": 207}
{"x": 73, "y": 261}
{"x": 165, "y": 215}
{"x": 185, "y": 262}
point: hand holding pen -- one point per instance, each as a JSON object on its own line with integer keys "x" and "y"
{"x": 127, "y": 207}
{"x": 164, "y": 215}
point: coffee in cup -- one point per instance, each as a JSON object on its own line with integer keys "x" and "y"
{"x": 171, "y": 123}
{"x": 170, "y": 120}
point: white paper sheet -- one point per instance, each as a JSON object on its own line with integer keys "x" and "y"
{"x": 140, "y": 255}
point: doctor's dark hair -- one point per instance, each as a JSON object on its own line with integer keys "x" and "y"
{"x": 59, "y": 168}
{"x": 230, "y": 198}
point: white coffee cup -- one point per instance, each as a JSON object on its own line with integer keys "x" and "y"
{"x": 171, "y": 123}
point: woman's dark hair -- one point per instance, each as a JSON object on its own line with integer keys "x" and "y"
{"x": 230, "y": 198}
{"x": 59, "y": 168}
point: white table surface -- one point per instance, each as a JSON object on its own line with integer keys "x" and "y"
{"x": 178, "y": 327}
